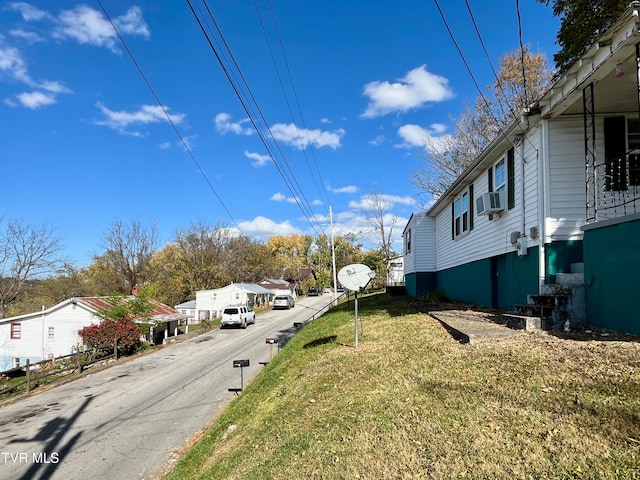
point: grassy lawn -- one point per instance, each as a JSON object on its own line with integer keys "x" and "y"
{"x": 411, "y": 402}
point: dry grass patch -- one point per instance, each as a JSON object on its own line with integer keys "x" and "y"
{"x": 411, "y": 402}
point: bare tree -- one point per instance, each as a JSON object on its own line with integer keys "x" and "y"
{"x": 128, "y": 250}
{"x": 523, "y": 77}
{"x": 381, "y": 221}
{"x": 27, "y": 252}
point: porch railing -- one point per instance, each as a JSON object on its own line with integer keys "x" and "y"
{"x": 617, "y": 187}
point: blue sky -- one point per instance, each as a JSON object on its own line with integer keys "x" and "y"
{"x": 342, "y": 95}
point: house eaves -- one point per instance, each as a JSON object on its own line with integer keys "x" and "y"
{"x": 616, "y": 45}
{"x": 506, "y": 139}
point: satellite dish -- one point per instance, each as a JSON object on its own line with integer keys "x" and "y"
{"x": 355, "y": 277}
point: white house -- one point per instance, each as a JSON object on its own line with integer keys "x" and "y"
{"x": 53, "y": 332}
{"x": 279, "y": 286}
{"x": 210, "y": 303}
{"x": 550, "y": 211}
{"x": 188, "y": 309}
{"x": 395, "y": 272}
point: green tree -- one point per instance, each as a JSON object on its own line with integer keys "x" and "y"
{"x": 581, "y": 23}
{"x": 102, "y": 277}
{"x": 291, "y": 252}
{"x": 377, "y": 261}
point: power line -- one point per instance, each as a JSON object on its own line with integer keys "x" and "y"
{"x": 321, "y": 191}
{"x": 169, "y": 119}
{"x": 473, "y": 79}
{"x": 245, "y": 101}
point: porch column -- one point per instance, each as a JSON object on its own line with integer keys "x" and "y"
{"x": 589, "y": 121}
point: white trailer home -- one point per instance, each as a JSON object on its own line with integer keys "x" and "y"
{"x": 546, "y": 219}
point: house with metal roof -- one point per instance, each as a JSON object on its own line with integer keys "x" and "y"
{"x": 53, "y": 332}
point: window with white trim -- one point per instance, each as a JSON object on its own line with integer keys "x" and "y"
{"x": 500, "y": 176}
{"x": 461, "y": 220}
{"x": 407, "y": 240}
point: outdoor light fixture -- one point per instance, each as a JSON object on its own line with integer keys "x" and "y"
{"x": 619, "y": 70}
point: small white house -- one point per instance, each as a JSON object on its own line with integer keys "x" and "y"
{"x": 395, "y": 272}
{"x": 210, "y": 303}
{"x": 279, "y": 286}
{"x": 53, "y": 332}
{"x": 188, "y": 309}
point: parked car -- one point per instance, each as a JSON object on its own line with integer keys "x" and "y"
{"x": 238, "y": 315}
{"x": 340, "y": 288}
{"x": 314, "y": 291}
{"x": 283, "y": 301}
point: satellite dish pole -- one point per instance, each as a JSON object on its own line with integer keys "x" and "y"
{"x": 333, "y": 258}
{"x": 355, "y": 277}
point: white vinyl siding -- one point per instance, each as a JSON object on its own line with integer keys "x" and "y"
{"x": 567, "y": 193}
{"x": 36, "y": 343}
{"x": 491, "y": 237}
{"x": 422, "y": 255}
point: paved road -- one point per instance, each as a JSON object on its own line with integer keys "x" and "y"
{"x": 126, "y": 421}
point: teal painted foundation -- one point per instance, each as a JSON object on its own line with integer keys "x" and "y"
{"x": 418, "y": 283}
{"x": 498, "y": 282}
{"x": 559, "y": 255}
{"x": 612, "y": 276}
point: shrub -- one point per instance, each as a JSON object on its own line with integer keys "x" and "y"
{"x": 102, "y": 336}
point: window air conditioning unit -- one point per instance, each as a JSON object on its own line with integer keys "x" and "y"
{"x": 490, "y": 202}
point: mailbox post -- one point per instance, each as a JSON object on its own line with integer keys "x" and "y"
{"x": 271, "y": 342}
{"x": 240, "y": 364}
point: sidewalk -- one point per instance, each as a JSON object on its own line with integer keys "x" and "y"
{"x": 469, "y": 328}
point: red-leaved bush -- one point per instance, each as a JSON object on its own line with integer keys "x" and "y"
{"x": 102, "y": 336}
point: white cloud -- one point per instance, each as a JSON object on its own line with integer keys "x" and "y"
{"x": 145, "y": 115}
{"x": 224, "y": 125}
{"x": 164, "y": 145}
{"x": 368, "y": 202}
{"x": 261, "y": 228}
{"x": 12, "y": 64}
{"x": 35, "y": 100}
{"x": 346, "y": 189}
{"x": 258, "y": 160}
{"x": 379, "y": 140}
{"x": 415, "y": 89}
{"x": 279, "y": 197}
{"x": 132, "y": 23}
{"x": 89, "y": 26}
{"x": 28, "y": 12}
{"x": 301, "y": 138}
{"x": 289, "y": 134}
{"x": 30, "y": 37}
{"x": 416, "y": 136}
{"x": 317, "y": 202}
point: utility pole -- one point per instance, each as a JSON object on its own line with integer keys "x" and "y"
{"x": 333, "y": 257}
